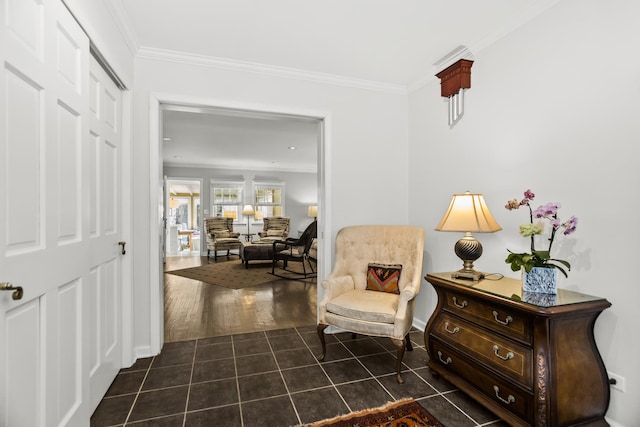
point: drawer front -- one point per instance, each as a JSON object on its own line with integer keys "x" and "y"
{"x": 496, "y": 317}
{"x": 505, "y": 356}
{"x": 511, "y": 398}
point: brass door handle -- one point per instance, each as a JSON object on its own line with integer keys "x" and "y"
{"x": 17, "y": 290}
{"x": 123, "y": 244}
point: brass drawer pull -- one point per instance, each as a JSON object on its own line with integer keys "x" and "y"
{"x": 506, "y": 321}
{"x": 451, "y": 331}
{"x": 510, "y": 399}
{"x": 461, "y": 305}
{"x": 445, "y": 362}
{"x": 509, "y": 355}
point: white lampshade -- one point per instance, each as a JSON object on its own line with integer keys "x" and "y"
{"x": 247, "y": 210}
{"x": 468, "y": 212}
{"x": 312, "y": 211}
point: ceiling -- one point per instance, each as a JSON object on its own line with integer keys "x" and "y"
{"x": 393, "y": 44}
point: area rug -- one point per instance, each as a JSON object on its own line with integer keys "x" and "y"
{"x": 231, "y": 274}
{"x": 403, "y": 413}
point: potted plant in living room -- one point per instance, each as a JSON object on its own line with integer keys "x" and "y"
{"x": 540, "y": 271}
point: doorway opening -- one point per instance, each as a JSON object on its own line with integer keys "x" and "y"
{"x": 184, "y": 217}
{"x": 321, "y": 123}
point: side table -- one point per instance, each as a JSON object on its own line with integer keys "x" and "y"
{"x": 529, "y": 358}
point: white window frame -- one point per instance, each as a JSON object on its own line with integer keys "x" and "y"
{"x": 217, "y": 209}
{"x": 262, "y": 205}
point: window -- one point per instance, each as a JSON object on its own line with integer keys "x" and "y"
{"x": 269, "y": 199}
{"x": 226, "y": 199}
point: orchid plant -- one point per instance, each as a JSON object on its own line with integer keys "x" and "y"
{"x": 540, "y": 258}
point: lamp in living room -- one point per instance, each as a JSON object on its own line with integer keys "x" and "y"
{"x": 312, "y": 211}
{"x": 248, "y": 211}
{"x": 468, "y": 213}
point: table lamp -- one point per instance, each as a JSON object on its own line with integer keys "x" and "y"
{"x": 248, "y": 211}
{"x": 468, "y": 213}
{"x": 312, "y": 211}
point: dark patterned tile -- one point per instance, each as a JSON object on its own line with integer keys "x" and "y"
{"x": 469, "y": 406}
{"x": 281, "y": 332}
{"x": 312, "y": 338}
{"x": 225, "y": 416}
{"x": 413, "y": 386}
{"x": 214, "y": 352}
{"x": 364, "y": 347}
{"x": 316, "y": 405}
{"x": 167, "y": 377}
{"x": 436, "y": 381}
{"x": 286, "y": 342}
{"x": 261, "y": 386}
{"x": 248, "y": 336}
{"x": 416, "y": 359}
{"x": 334, "y": 352}
{"x": 126, "y": 382}
{"x": 295, "y": 358}
{"x": 139, "y": 365}
{"x": 112, "y": 410}
{"x": 277, "y": 411}
{"x": 170, "y": 421}
{"x": 364, "y": 394}
{"x": 170, "y": 357}
{"x": 213, "y": 370}
{"x": 255, "y": 364}
{"x": 214, "y": 340}
{"x": 345, "y": 371}
{"x": 179, "y": 345}
{"x": 254, "y": 346}
{"x": 379, "y": 364}
{"x": 305, "y": 378}
{"x": 445, "y": 412}
{"x": 159, "y": 403}
{"x": 213, "y": 393}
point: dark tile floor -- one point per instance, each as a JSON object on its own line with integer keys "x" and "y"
{"x": 273, "y": 378}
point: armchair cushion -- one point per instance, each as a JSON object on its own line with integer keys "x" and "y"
{"x": 365, "y": 305}
{"x": 384, "y": 277}
{"x": 221, "y": 234}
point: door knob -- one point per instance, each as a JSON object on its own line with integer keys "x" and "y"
{"x": 123, "y": 244}
{"x": 17, "y": 290}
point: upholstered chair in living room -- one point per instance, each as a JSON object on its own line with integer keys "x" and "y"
{"x": 274, "y": 228}
{"x": 373, "y": 285}
{"x": 221, "y": 237}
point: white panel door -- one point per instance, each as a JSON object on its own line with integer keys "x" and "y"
{"x": 105, "y": 207}
{"x": 45, "y": 220}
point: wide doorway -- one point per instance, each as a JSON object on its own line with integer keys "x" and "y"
{"x": 248, "y": 151}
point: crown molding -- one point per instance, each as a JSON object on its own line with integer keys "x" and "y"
{"x": 257, "y": 68}
{"x": 124, "y": 26}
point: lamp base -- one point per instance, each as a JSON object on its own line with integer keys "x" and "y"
{"x": 468, "y": 275}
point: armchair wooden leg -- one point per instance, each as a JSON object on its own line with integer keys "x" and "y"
{"x": 321, "y": 329}
{"x": 407, "y": 339}
{"x": 399, "y": 345}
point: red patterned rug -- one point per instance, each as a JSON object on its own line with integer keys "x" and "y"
{"x": 403, "y": 413}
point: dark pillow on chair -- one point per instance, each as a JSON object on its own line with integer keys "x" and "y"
{"x": 384, "y": 277}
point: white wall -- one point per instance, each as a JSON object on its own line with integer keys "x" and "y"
{"x": 553, "y": 107}
{"x": 368, "y": 137}
{"x": 301, "y": 190}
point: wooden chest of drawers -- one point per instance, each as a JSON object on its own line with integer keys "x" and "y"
{"x": 529, "y": 358}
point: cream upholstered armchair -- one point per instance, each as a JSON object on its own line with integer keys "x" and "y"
{"x": 221, "y": 237}
{"x": 275, "y": 228}
{"x": 373, "y": 256}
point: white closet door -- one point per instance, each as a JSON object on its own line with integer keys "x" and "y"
{"x": 47, "y": 338}
{"x": 105, "y": 224}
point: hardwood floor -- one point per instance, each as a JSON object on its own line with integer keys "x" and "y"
{"x": 193, "y": 309}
